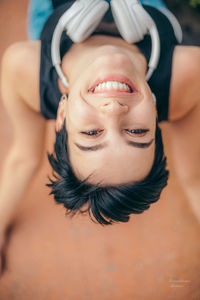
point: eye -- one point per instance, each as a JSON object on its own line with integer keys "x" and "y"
{"x": 91, "y": 132}
{"x": 139, "y": 132}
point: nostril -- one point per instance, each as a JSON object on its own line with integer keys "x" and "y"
{"x": 114, "y": 107}
{"x": 114, "y": 103}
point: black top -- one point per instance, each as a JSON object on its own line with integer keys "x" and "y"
{"x": 159, "y": 82}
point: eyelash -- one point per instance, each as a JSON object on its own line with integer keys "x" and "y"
{"x": 137, "y": 131}
{"x": 96, "y": 132}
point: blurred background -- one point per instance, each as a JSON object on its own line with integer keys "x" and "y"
{"x": 188, "y": 14}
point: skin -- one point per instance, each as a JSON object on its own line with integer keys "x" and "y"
{"x": 117, "y": 162}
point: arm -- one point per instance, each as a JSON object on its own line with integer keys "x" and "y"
{"x": 185, "y": 122}
{"x": 19, "y": 86}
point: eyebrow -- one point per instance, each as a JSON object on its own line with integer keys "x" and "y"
{"x": 103, "y": 145}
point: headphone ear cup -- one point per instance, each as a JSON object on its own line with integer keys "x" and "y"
{"x": 130, "y": 18}
{"x": 83, "y": 17}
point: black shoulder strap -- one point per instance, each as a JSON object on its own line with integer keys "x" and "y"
{"x": 57, "y": 3}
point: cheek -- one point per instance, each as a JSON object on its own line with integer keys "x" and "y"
{"x": 147, "y": 113}
{"x": 79, "y": 114}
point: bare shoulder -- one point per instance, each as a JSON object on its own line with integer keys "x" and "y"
{"x": 21, "y": 63}
{"x": 184, "y": 88}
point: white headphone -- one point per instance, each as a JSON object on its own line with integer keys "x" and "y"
{"x": 83, "y": 17}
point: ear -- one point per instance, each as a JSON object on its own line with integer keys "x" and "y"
{"x": 61, "y": 113}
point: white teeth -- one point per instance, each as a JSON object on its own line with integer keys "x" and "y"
{"x": 110, "y": 85}
{"x": 115, "y": 85}
{"x": 103, "y": 85}
{"x": 97, "y": 88}
{"x": 121, "y": 85}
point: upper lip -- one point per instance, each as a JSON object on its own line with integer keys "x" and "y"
{"x": 119, "y": 78}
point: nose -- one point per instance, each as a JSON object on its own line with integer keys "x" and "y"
{"x": 113, "y": 108}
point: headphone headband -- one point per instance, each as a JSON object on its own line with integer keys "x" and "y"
{"x": 81, "y": 19}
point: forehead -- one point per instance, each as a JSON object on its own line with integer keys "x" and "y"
{"x": 112, "y": 166}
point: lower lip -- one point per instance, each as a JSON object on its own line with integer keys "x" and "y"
{"x": 120, "y": 78}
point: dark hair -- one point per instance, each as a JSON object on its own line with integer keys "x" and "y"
{"x": 107, "y": 204}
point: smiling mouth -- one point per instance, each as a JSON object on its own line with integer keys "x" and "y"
{"x": 112, "y": 84}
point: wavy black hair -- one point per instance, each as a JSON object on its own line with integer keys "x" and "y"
{"x": 105, "y": 204}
